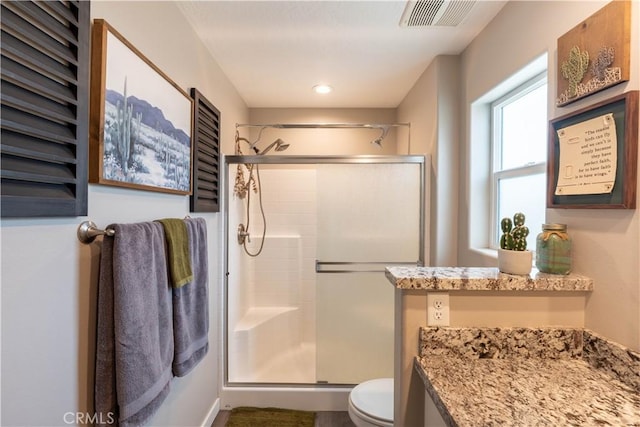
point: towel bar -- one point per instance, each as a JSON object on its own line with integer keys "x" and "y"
{"x": 88, "y": 231}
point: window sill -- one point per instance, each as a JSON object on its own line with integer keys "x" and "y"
{"x": 487, "y": 252}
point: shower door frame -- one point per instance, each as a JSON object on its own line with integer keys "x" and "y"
{"x": 244, "y": 393}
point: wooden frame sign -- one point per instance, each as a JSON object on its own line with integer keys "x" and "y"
{"x": 595, "y": 54}
{"x": 592, "y": 156}
{"x": 141, "y": 122}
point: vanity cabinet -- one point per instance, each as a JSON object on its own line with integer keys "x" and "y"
{"x": 478, "y": 297}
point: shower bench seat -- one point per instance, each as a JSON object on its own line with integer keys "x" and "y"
{"x": 272, "y": 330}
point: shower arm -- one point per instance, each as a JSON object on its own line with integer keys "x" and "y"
{"x": 384, "y": 127}
{"x": 252, "y": 145}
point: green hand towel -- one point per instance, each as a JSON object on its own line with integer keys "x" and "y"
{"x": 175, "y": 231}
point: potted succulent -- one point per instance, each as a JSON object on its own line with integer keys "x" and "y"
{"x": 513, "y": 256}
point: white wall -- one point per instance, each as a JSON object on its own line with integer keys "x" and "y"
{"x": 606, "y": 242}
{"x": 325, "y": 141}
{"x": 49, "y": 279}
{"x": 432, "y": 109}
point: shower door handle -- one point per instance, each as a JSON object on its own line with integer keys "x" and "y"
{"x": 360, "y": 266}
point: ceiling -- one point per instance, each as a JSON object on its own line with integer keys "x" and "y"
{"x": 274, "y": 52}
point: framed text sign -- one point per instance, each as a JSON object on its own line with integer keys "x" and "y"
{"x": 592, "y": 156}
{"x": 140, "y": 120}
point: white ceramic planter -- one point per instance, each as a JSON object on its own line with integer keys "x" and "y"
{"x": 515, "y": 262}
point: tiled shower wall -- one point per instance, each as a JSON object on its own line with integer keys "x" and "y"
{"x": 284, "y": 274}
{"x": 282, "y": 277}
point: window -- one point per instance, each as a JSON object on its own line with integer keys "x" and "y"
{"x": 519, "y": 153}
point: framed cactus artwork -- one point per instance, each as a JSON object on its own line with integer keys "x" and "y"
{"x": 140, "y": 123}
{"x": 595, "y": 54}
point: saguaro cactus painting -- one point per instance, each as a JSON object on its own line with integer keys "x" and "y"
{"x": 140, "y": 120}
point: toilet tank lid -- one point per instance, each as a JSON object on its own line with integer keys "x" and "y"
{"x": 375, "y": 398}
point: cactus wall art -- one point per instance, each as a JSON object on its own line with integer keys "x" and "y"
{"x": 574, "y": 69}
{"x": 595, "y": 54}
{"x": 141, "y": 122}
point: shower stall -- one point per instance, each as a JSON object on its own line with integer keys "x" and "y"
{"x": 307, "y": 304}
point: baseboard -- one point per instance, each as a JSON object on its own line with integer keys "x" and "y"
{"x": 213, "y": 412}
{"x": 301, "y": 398}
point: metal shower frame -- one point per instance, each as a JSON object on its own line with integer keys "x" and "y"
{"x": 297, "y": 160}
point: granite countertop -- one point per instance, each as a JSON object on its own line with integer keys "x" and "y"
{"x": 482, "y": 279}
{"x": 529, "y": 377}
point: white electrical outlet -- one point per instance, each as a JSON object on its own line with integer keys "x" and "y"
{"x": 437, "y": 309}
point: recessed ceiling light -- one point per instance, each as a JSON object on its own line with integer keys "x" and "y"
{"x": 322, "y": 89}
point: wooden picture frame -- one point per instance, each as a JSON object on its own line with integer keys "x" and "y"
{"x": 624, "y": 109}
{"x": 595, "y": 54}
{"x": 141, "y": 122}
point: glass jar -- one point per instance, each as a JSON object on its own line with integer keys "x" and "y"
{"x": 553, "y": 249}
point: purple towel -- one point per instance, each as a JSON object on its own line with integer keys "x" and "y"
{"x": 135, "y": 346}
{"x": 191, "y": 305}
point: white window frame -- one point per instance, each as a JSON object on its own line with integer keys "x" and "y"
{"x": 497, "y": 173}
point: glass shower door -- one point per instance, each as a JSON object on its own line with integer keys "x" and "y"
{"x": 368, "y": 217}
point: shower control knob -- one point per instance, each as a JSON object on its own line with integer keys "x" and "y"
{"x": 243, "y": 234}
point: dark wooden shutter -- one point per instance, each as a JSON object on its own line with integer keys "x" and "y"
{"x": 206, "y": 155}
{"x": 45, "y": 114}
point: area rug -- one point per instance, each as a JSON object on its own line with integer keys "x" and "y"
{"x": 270, "y": 417}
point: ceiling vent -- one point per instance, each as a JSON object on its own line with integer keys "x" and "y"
{"x": 435, "y": 13}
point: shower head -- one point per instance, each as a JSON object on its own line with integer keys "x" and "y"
{"x": 279, "y": 145}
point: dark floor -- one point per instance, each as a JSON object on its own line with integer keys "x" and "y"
{"x": 323, "y": 419}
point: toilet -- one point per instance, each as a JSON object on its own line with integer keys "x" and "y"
{"x": 371, "y": 403}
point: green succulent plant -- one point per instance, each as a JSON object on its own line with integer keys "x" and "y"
{"x": 514, "y": 233}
